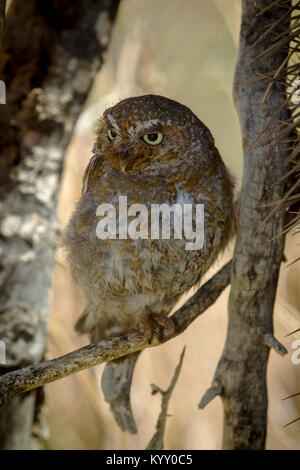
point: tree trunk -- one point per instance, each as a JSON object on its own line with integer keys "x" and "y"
{"x": 50, "y": 54}
{"x": 241, "y": 373}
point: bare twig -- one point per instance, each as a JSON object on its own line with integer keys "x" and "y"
{"x": 157, "y": 441}
{"x": 296, "y": 331}
{"x": 291, "y": 422}
{"x": 291, "y": 396}
{"x": 210, "y": 394}
{"x": 34, "y": 376}
{"x": 273, "y": 343}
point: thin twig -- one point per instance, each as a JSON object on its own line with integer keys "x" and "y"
{"x": 291, "y": 422}
{"x": 291, "y": 396}
{"x": 157, "y": 441}
{"x": 292, "y": 331}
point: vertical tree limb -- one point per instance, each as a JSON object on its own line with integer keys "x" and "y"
{"x": 50, "y": 54}
{"x": 240, "y": 378}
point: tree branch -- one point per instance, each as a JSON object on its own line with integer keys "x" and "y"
{"x": 34, "y": 376}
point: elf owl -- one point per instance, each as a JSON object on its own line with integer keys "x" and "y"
{"x": 150, "y": 150}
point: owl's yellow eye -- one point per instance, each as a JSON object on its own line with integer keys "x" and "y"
{"x": 111, "y": 134}
{"x": 154, "y": 138}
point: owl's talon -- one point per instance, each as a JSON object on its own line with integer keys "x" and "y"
{"x": 148, "y": 325}
{"x": 165, "y": 322}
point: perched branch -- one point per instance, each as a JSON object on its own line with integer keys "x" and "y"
{"x": 157, "y": 441}
{"x": 34, "y": 376}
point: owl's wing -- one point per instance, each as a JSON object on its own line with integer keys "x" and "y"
{"x": 92, "y": 171}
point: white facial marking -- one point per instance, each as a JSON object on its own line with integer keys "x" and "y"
{"x": 141, "y": 127}
{"x": 113, "y": 122}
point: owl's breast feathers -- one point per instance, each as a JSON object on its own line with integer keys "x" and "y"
{"x": 126, "y": 275}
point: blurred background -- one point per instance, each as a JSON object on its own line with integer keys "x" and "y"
{"x": 187, "y": 54}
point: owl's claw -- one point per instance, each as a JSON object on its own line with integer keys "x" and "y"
{"x": 148, "y": 322}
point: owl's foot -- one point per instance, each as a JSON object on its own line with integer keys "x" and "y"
{"x": 148, "y": 324}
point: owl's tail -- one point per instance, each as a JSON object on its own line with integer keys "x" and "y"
{"x": 116, "y": 384}
{"x": 116, "y": 378}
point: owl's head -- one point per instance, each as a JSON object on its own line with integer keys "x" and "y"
{"x": 138, "y": 131}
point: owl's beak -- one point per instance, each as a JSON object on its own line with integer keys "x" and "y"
{"x": 126, "y": 160}
{"x": 123, "y": 165}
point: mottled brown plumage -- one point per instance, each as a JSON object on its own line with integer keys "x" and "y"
{"x": 122, "y": 279}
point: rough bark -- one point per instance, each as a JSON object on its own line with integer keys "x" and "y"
{"x": 50, "y": 54}
{"x": 240, "y": 378}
